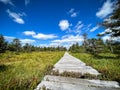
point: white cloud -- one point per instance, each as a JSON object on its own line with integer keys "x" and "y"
{"x": 78, "y": 27}
{"x": 16, "y": 16}
{"x": 87, "y": 27}
{"x": 67, "y": 45}
{"x": 78, "y": 24}
{"x": 27, "y": 2}
{"x": 49, "y": 45}
{"x": 39, "y": 35}
{"x": 23, "y": 41}
{"x": 107, "y": 37}
{"x": 69, "y": 38}
{"x": 9, "y": 38}
{"x": 75, "y": 29}
{"x": 64, "y": 24}
{"x": 72, "y": 13}
{"x": 117, "y": 28}
{"x": 44, "y": 45}
{"x": 7, "y": 2}
{"x": 102, "y": 33}
{"x": 94, "y": 28}
{"x": 54, "y": 44}
{"x": 44, "y": 36}
{"x": 106, "y": 31}
{"x": 106, "y": 9}
{"x": 29, "y": 33}
{"x": 71, "y": 10}
{"x": 109, "y": 20}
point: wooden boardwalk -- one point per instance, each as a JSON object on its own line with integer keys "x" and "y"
{"x": 73, "y": 67}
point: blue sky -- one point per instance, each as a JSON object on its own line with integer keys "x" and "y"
{"x": 52, "y": 22}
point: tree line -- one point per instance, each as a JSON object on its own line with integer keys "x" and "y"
{"x": 17, "y": 47}
{"x": 95, "y": 46}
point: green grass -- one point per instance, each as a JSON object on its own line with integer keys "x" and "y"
{"x": 26, "y": 70}
{"x": 106, "y": 63}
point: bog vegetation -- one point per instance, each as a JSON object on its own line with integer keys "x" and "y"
{"x": 106, "y": 63}
{"x": 25, "y": 71}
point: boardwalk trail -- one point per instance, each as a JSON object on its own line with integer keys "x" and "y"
{"x": 67, "y": 74}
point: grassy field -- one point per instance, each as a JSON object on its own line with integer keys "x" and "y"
{"x": 107, "y": 64}
{"x": 26, "y": 70}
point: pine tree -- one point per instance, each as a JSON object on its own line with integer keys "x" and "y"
{"x": 85, "y": 42}
{"x": 112, "y": 23}
{"x": 27, "y": 47}
{"x": 17, "y": 45}
{"x": 3, "y": 44}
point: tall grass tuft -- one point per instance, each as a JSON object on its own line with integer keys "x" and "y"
{"x": 106, "y": 63}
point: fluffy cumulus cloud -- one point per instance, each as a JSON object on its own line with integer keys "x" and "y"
{"x": 16, "y": 16}
{"x": 69, "y": 28}
{"x": 7, "y": 2}
{"x": 72, "y": 12}
{"x": 9, "y": 38}
{"x": 44, "y": 36}
{"x": 64, "y": 25}
{"x": 49, "y": 45}
{"x": 39, "y": 35}
{"x": 94, "y": 28}
{"x": 30, "y": 41}
{"x": 43, "y": 45}
{"x": 67, "y": 45}
{"x": 69, "y": 38}
{"x": 106, "y": 9}
{"x": 28, "y": 33}
{"x": 54, "y": 44}
{"x": 23, "y": 41}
